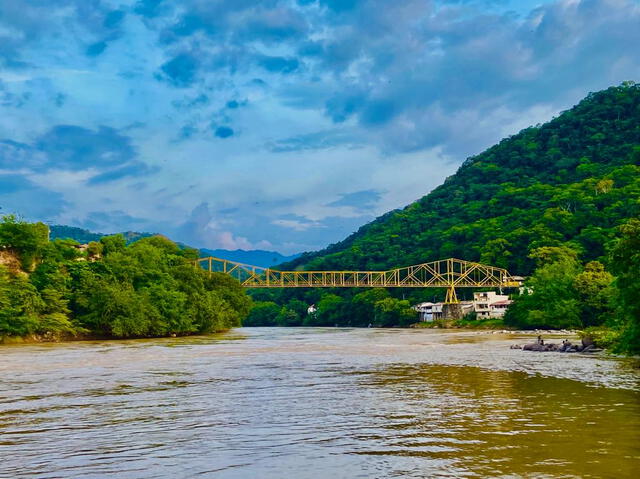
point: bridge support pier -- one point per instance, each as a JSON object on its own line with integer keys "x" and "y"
{"x": 452, "y": 311}
{"x": 451, "y": 308}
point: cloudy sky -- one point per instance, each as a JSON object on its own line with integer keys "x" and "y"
{"x": 278, "y": 124}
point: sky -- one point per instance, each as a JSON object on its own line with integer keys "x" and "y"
{"x": 278, "y": 124}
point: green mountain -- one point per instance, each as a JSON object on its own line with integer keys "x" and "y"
{"x": 85, "y": 236}
{"x": 571, "y": 181}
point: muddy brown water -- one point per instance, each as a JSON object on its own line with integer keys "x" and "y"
{"x": 316, "y": 403}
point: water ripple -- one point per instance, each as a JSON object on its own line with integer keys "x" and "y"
{"x": 309, "y": 403}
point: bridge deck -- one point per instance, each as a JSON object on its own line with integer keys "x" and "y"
{"x": 448, "y": 273}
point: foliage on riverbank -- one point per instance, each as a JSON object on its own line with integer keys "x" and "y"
{"x": 146, "y": 289}
{"x": 375, "y": 307}
{"x": 491, "y": 324}
{"x": 562, "y": 293}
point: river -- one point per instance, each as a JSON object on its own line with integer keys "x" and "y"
{"x": 316, "y": 403}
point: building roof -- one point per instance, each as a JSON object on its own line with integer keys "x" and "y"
{"x": 505, "y": 302}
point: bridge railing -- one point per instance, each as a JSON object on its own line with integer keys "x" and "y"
{"x": 449, "y": 273}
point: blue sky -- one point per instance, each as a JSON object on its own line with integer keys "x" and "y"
{"x": 278, "y": 124}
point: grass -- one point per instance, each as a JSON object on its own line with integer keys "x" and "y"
{"x": 492, "y": 323}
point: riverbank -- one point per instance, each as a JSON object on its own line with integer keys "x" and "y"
{"x": 601, "y": 338}
{"x": 492, "y": 324}
{"x": 48, "y": 338}
{"x": 35, "y": 339}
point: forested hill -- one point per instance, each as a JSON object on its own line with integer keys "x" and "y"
{"x": 570, "y": 181}
{"x": 254, "y": 257}
{"x": 85, "y": 236}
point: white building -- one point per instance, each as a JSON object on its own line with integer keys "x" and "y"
{"x": 425, "y": 310}
{"x": 430, "y": 311}
{"x": 499, "y": 308}
{"x": 486, "y": 305}
{"x": 490, "y": 305}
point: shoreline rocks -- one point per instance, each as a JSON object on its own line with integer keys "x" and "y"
{"x": 585, "y": 346}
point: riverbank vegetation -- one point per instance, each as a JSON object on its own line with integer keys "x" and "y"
{"x": 563, "y": 294}
{"x": 360, "y": 308}
{"x": 57, "y": 289}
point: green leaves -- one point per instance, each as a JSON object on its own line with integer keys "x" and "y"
{"x": 625, "y": 264}
{"x": 550, "y": 300}
{"x": 263, "y": 313}
{"x": 27, "y": 240}
{"x": 149, "y": 288}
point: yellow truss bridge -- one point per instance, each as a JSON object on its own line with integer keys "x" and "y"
{"x": 448, "y": 273}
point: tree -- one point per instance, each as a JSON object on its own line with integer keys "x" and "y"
{"x": 362, "y": 310}
{"x": 19, "y": 305}
{"x": 25, "y": 239}
{"x": 113, "y": 243}
{"x": 394, "y": 312}
{"x": 288, "y": 317}
{"x": 149, "y": 288}
{"x": 625, "y": 264}
{"x": 330, "y": 312}
{"x": 595, "y": 291}
{"x": 263, "y": 313}
{"x": 496, "y": 252}
{"x": 94, "y": 249}
{"x": 550, "y": 299}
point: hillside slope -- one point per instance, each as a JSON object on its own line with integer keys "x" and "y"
{"x": 571, "y": 180}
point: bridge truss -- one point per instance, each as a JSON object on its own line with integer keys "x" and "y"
{"x": 448, "y": 273}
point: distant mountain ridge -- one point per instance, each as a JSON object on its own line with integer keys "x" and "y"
{"x": 254, "y": 257}
{"x": 82, "y": 235}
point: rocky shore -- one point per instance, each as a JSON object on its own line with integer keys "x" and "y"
{"x": 585, "y": 346}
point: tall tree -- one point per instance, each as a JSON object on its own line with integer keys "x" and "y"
{"x": 550, "y": 299}
{"x": 625, "y": 263}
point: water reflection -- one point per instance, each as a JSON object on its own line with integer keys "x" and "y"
{"x": 315, "y": 403}
{"x": 511, "y": 423}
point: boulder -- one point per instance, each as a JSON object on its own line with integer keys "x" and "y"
{"x": 534, "y": 347}
{"x": 587, "y": 341}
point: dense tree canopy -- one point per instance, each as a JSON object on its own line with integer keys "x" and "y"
{"x": 625, "y": 262}
{"x": 562, "y": 294}
{"x": 109, "y": 289}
